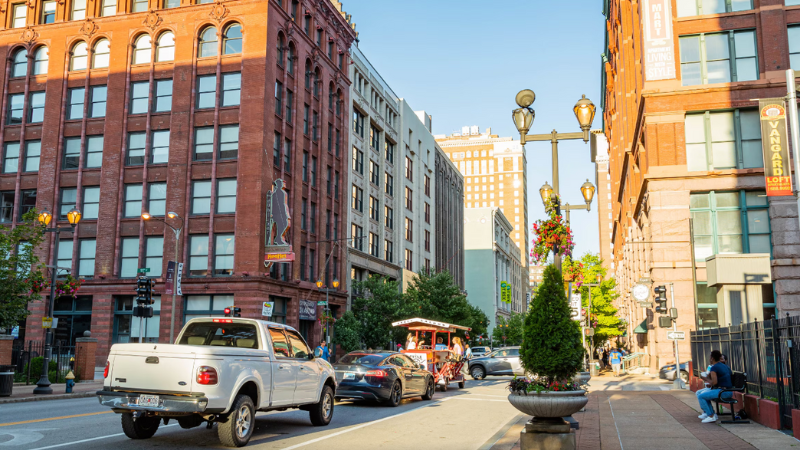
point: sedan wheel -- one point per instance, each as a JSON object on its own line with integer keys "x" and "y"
{"x": 429, "y": 390}
{"x": 685, "y": 376}
{"x": 396, "y": 394}
{"x": 477, "y": 373}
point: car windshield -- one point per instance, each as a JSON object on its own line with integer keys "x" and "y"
{"x": 361, "y": 358}
{"x": 242, "y": 335}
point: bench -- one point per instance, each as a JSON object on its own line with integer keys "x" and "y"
{"x": 739, "y": 381}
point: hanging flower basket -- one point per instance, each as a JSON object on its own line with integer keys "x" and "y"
{"x": 552, "y": 235}
{"x": 573, "y": 271}
{"x": 37, "y": 283}
{"x": 326, "y": 318}
{"x": 68, "y": 287}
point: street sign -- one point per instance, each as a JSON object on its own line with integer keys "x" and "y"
{"x": 676, "y": 335}
{"x": 575, "y": 304}
{"x": 322, "y": 303}
{"x": 143, "y": 270}
{"x": 646, "y": 304}
{"x": 47, "y": 322}
{"x": 589, "y": 331}
{"x": 266, "y": 309}
{"x": 641, "y": 292}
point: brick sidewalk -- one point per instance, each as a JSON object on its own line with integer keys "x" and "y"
{"x": 23, "y": 393}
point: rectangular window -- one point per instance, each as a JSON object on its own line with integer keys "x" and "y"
{"x": 75, "y": 106}
{"x": 328, "y": 224}
{"x": 427, "y": 241}
{"x": 289, "y": 103}
{"x": 358, "y": 161}
{"x": 314, "y": 126}
{"x": 389, "y": 182}
{"x": 409, "y": 199}
{"x": 276, "y": 151}
{"x": 153, "y": 255}
{"x": 336, "y": 144}
{"x": 140, "y": 92}
{"x": 357, "y": 235}
{"x": 287, "y": 155}
{"x": 389, "y": 149}
{"x": 336, "y": 185}
{"x": 730, "y": 223}
{"x": 409, "y": 169}
{"x": 231, "y": 88}
{"x": 723, "y": 140}
{"x": 27, "y": 202}
{"x": 374, "y": 173}
{"x": 48, "y": 12}
{"x": 305, "y": 167}
{"x": 171, "y": 4}
{"x": 409, "y": 230}
{"x": 163, "y": 101}
{"x": 159, "y": 147}
{"x": 389, "y": 213}
{"x": 157, "y": 199}
{"x": 313, "y": 218}
{"x": 16, "y": 108}
{"x": 228, "y": 141}
{"x": 72, "y": 153}
{"x": 33, "y": 151}
{"x": 11, "y": 157}
{"x": 139, "y": 5}
{"x": 329, "y": 180}
{"x": 86, "y": 258}
{"x": 201, "y": 197}
{"x": 358, "y": 123}
{"x": 319, "y": 36}
{"x": 136, "y": 145}
{"x": 94, "y": 151}
{"x": 374, "y": 209}
{"x": 36, "y": 107}
{"x": 388, "y": 250}
{"x": 109, "y": 8}
{"x": 64, "y": 258}
{"x": 278, "y": 98}
{"x": 69, "y": 200}
{"x": 427, "y": 213}
{"x": 97, "y": 107}
{"x": 91, "y": 202}
{"x": 374, "y": 138}
{"x": 204, "y": 144}
{"x": 133, "y": 200}
{"x": 223, "y": 255}
{"x": 6, "y": 206}
{"x": 78, "y": 10}
{"x": 408, "y": 261}
{"x": 427, "y": 183}
{"x": 226, "y": 196}
{"x": 330, "y": 138}
{"x": 358, "y": 198}
{"x": 335, "y": 226}
{"x": 129, "y": 258}
{"x": 198, "y": 256}
{"x": 373, "y": 245}
{"x": 719, "y": 57}
{"x": 794, "y": 43}
{"x": 305, "y": 119}
{"x": 688, "y": 8}
{"x": 313, "y": 171}
{"x": 303, "y": 263}
{"x": 206, "y": 91}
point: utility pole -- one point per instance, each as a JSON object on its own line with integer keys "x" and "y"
{"x": 678, "y": 383}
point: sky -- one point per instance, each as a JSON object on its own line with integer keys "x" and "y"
{"x": 464, "y": 61}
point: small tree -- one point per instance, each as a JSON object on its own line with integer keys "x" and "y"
{"x": 21, "y": 274}
{"x": 378, "y": 305}
{"x": 513, "y": 332}
{"x": 348, "y": 332}
{"x": 551, "y": 347}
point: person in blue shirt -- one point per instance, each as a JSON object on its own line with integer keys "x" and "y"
{"x": 440, "y": 345}
{"x": 616, "y": 361}
{"x": 718, "y": 376}
{"x": 322, "y": 351}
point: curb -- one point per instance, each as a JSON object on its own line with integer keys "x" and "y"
{"x": 48, "y": 397}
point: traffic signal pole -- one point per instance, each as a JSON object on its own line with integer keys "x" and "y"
{"x": 678, "y": 383}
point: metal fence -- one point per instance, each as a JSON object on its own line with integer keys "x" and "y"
{"x": 22, "y": 353}
{"x": 768, "y": 352}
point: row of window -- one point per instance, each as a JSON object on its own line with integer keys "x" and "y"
{"x": 687, "y": 8}
{"x": 78, "y": 10}
{"x": 730, "y": 223}
{"x": 318, "y": 37}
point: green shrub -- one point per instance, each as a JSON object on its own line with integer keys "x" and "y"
{"x": 36, "y": 367}
{"x": 348, "y": 332}
{"x": 551, "y": 347}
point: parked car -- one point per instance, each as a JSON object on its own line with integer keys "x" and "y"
{"x": 383, "y": 376}
{"x": 503, "y": 361}
{"x": 220, "y": 370}
{"x": 478, "y": 352}
{"x": 668, "y": 372}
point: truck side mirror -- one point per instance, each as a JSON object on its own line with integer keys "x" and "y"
{"x": 310, "y": 356}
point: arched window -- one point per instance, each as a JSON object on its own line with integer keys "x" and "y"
{"x": 232, "y": 40}
{"x": 142, "y": 49}
{"x": 166, "y": 47}
{"x": 40, "y": 60}
{"x": 101, "y": 53}
{"x": 280, "y": 49}
{"x": 290, "y": 59}
{"x": 20, "y": 64}
{"x": 80, "y": 55}
{"x": 208, "y": 42}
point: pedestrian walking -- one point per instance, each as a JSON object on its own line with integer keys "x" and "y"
{"x": 600, "y": 357}
{"x": 468, "y": 352}
{"x": 322, "y": 351}
{"x": 616, "y": 361}
{"x": 719, "y": 376}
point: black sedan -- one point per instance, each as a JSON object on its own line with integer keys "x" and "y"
{"x": 383, "y": 376}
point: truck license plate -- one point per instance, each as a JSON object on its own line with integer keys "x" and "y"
{"x": 349, "y": 376}
{"x": 148, "y": 400}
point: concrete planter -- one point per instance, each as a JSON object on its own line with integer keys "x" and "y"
{"x": 582, "y": 378}
{"x": 549, "y": 404}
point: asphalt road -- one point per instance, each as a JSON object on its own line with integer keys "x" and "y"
{"x": 469, "y": 418}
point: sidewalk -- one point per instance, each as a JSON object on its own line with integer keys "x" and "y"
{"x": 23, "y": 393}
{"x": 638, "y": 411}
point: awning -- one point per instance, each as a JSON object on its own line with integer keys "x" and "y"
{"x": 641, "y": 328}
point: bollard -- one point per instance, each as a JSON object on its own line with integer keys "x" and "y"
{"x": 70, "y": 382}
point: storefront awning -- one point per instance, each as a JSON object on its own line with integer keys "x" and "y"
{"x": 641, "y": 328}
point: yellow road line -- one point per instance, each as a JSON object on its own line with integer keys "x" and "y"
{"x": 53, "y": 418}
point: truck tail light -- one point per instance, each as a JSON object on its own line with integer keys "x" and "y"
{"x": 207, "y": 375}
{"x": 376, "y": 373}
{"x": 105, "y": 372}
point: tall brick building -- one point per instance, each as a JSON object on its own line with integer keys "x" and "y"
{"x": 684, "y": 141}
{"x": 124, "y": 107}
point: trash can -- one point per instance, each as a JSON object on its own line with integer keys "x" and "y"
{"x": 6, "y": 380}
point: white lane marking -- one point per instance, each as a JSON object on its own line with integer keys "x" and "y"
{"x": 23, "y": 437}
{"x": 363, "y": 425}
{"x": 615, "y": 424}
{"x": 92, "y": 439}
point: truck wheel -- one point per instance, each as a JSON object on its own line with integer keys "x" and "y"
{"x": 142, "y": 428}
{"x": 321, "y": 413}
{"x": 429, "y": 390}
{"x": 238, "y": 429}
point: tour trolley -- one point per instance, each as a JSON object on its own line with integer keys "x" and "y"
{"x": 443, "y": 364}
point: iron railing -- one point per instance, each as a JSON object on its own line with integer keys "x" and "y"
{"x": 22, "y": 353}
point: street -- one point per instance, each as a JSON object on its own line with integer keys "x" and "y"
{"x": 458, "y": 419}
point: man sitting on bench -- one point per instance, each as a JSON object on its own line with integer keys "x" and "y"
{"x": 718, "y": 377}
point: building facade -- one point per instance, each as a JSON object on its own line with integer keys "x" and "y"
{"x": 492, "y": 258}
{"x": 602, "y": 181}
{"x": 685, "y": 143}
{"x": 449, "y": 207}
{"x": 196, "y": 109}
{"x": 494, "y": 171}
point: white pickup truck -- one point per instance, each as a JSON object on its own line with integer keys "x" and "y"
{"x": 220, "y": 370}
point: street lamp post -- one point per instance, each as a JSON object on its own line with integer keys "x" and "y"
{"x": 74, "y": 217}
{"x": 587, "y": 190}
{"x": 327, "y": 290}
{"x": 172, "y": 215}
{"x": 523, "y": 117}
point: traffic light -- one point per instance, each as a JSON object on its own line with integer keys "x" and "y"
{"x": 143, "y": 311}
{"x": 233, "y": 311}
{"x": 142, "y": 290}
{"x": 227, "y": 312}
{"x": 661, "y": 299}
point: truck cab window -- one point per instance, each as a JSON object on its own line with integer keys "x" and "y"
{"x": 299, "y": 347}
{"x": 279, "y": 344}
{"x": 241, "y": 335}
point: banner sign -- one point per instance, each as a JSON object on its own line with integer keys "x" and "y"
{"x": 308, "y": 309}
{"x": 169, "y": 280}
{"x": 279, "y": 257}
{"x": 178, "y": 279}
{"x": 775, "y": 146}
{"x": 266, "y": 309}
{"x": 659, "y": 48}
{"x": 505, "y": 292}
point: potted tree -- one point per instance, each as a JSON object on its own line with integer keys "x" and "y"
{"x": 552, "y": 351}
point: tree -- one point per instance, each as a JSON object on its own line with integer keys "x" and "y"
{"x": 513, "y": 332}
{"x": 603, "y": 314}
{"x": 435, "y": 296}
{"x": 378, "y": 304}
{"x": 551, "y": 346}
{"x": 21, "y": 274}
{"x": 348, "y": 332}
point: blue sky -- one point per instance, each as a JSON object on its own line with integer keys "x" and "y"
{"x": 464, "y": 61}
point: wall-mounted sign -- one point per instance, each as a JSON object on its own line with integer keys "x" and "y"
{"x": 575, "y": 305}
{"x": 308, "y": 309}
{"x": 775, "y": 147}
{"x": 279, "y": 257}
{"x": 266, "y": 309}
{"x": 659, "y": 48}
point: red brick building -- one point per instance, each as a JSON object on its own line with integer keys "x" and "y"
{"x": 120, "y": 107}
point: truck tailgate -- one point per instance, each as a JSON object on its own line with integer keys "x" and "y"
{"x": 152, "y": 368}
